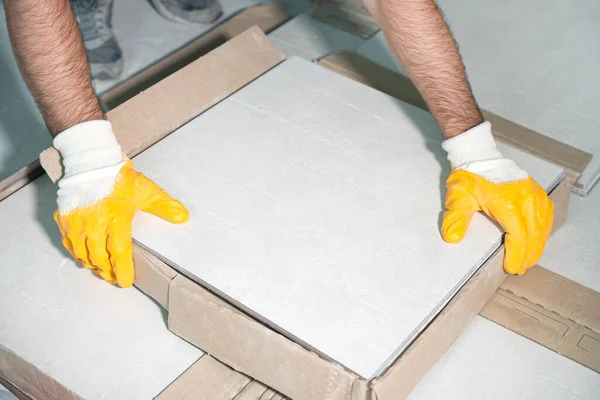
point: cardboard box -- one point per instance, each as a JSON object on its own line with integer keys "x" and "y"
{"x": 267, "y": 17}
{"x": 229, "y": 334}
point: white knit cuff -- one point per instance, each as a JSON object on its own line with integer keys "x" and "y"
{"x": 92, "y": 160}
{"x": 475, "y": 151}
{"x": 88, "y": 146}
{"x": 476, "y": 144}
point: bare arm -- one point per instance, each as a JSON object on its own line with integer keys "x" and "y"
{"x": 423, "y": 44}
{"x": 51, "y": 56}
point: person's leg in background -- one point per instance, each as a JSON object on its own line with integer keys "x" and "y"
{"x": 95, "y": 23}
{"x": 193, "y": 12}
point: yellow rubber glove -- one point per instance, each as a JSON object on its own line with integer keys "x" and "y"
{"x": 483, "y": 180}
{"x": 98, "y": 198}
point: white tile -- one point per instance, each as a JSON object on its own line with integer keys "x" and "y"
{"x": 493, "y": 363}
{"x": 100, "y": 341}
{"x": 310, "y": 39}
{"x": 535, "y": 64}
{"x": 329, "y": 194}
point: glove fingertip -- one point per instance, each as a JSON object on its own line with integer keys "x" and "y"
{"x": 125, "y": 283}
{"x": 453, "y": 235}
{"x": 125, "y": 276}
{"x": 108, "y": 276}
{"x": 512, "y": 264}
{"x": 510, "y": 269}
{"x": 172, "y": 211}
{"x": 123, "y": 269}
{"x": 178, "y": 213}
{"x": 454, "y": 227}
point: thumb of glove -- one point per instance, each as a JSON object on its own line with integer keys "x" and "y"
{"x": 154, "y": 200}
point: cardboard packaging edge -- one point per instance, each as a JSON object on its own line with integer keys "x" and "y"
{"x": 155, "y": 276}
{"x": 30, "y": 381}
{"x": 207, "y": 378}
{"x": 548, "y": 328}
{"x": 574, "y": 301}
{"x": 20, "y": 178}
{"x": 204, "y": 319}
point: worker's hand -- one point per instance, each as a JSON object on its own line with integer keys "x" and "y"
{"x": 98, "y": 197}
{"x": 483, "y": 180}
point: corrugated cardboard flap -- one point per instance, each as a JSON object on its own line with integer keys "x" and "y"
{"x": 551, "y": 310}
{"x": 30, "y": 380}
{"x": 207, "y": 378}
{"x": 548, "y": 328}
{"x": 558, "y": 294}
{"x": 238, "y": 340}
{"x": 152, "y": 276}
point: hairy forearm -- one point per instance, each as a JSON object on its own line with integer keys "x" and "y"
{"x": 423, "y": 44}
{"x": 51, "y": 56}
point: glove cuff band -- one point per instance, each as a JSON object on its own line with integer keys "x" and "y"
{"x": 476, "y": 144}
{"x": 88, "y": 146}
{"x": 92, "y": 160}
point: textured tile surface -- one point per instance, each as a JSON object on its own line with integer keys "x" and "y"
{"x": 310, "y": 39}
{"x": 493, "y": 363}
{"x": 99, "y": 341}
{"x": 538, "y": 69}
{"x": 315, "y": 204}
